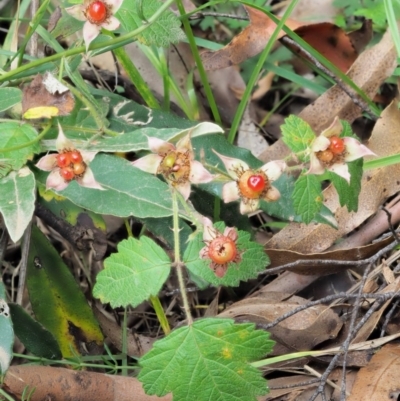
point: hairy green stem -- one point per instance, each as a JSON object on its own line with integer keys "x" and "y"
{"x": 178, "y": 263}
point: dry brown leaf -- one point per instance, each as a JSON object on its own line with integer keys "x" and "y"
{"x": 369, "y": 71}
{"x": 247, "y": 43}
{"x": 46, "y": 97}
{"x": 379, "y": 380}
{"x": 328, "y": 39}
{"x": 302, "y": 331}
{"x": 280, "y": 257}
{"x": 59, "y": 384}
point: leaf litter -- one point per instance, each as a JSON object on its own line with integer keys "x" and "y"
{"x": 321, "y": 323}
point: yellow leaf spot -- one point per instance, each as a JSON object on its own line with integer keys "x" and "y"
{"x": 227, "y": 353}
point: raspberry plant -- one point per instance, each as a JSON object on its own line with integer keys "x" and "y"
{"x": 72, "y": 159}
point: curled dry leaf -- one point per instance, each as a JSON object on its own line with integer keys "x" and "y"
{"x": 59, "y": 384}
{"x": 312, "y": 263}
{"x": 330, "y": 40}
{"x": 46, "y": 97}
{"x": 302, "y": 331}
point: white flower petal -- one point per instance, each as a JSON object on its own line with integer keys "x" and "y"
{"x": 148, "y": 163}
{"x": 198, "y": 173}
{"x": 320, "y": 143}
{"x": 87, "y": 156}
{"x": 230, "y": 192}
{"x": 334, "y": 129}
{"x": 231, "y": 233}
{"x": 208, "y": 229}
{"x": 55, "y": 181}
{"x": 62, "y": 142}
{"x": 184, "y": 189}
{"x": 354, "y": 149}
{"x": 272, "y": 194}
{"x": 77, "y": 12}
{"x": 184, "y": 144}
{"x": 316, "y": 167}
{"x": 115, "y": 5}
{"x": 111, "y": 24}
{"x": 89, "y": 181}
{"x": 341, "y": 169}
{"x": 48, "y": 162}
{"x": 274, "y": 169}
{"x": 159, "y": 146}
{"x": 249, "y": 206}
{"x": 232, "y": 165}
{"x": 90, "y": 32}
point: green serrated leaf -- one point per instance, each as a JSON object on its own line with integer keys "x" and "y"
{"x": 9, "y": 97}
{"x": 129, "y": 191}
{"x": 162, "y": 33}
{"x": 15, "y": 134}
{"x": 349, "y": 192}
{"x": 130, "y": 276}
{"x": 297, "y": 135}
{"x": 307, "y": 197}
{"x": 254, "y": 260}
{"x": 207, "y": 361}
{"x": 17, "y": 201}
{"x": 33, "y": 335}
{"x": 57, "y": 301}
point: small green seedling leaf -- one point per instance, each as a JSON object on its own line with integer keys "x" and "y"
{"x": 307, "y": 197}
{"x": 130, "y": 276}
{"x": 207, "y": 361}
{"x": 17, "y": 201}
{"x": 297, "y": 135}
{"x": 7, "y": 333}
{"x": 254, "y": 260}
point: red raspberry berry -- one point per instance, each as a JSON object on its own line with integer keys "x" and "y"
{"x": 256, "y": 182}
{"x": 75, "y": 156}
{"x": 337, "y": 145}
{"x": 67, "y": 173}
{"x": 96, "y": 12}
{"x": 63, "y": 160}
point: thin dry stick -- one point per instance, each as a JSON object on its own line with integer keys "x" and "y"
{"x": 352, "y": 95}
{"x": 24, "y": 263}
{"x": 33, "y": 43}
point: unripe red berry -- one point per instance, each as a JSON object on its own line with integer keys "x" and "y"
{"x": 67, "y": 173}
{"x": 96, "y": 12}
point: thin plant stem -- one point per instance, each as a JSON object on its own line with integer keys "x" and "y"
{"x": 161, "y": 316}
{"x": 197, "y": 59}
{"x": 178, "y": 263}
{"x": 29, "y": 143}
{"x": 255, "y": 74}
